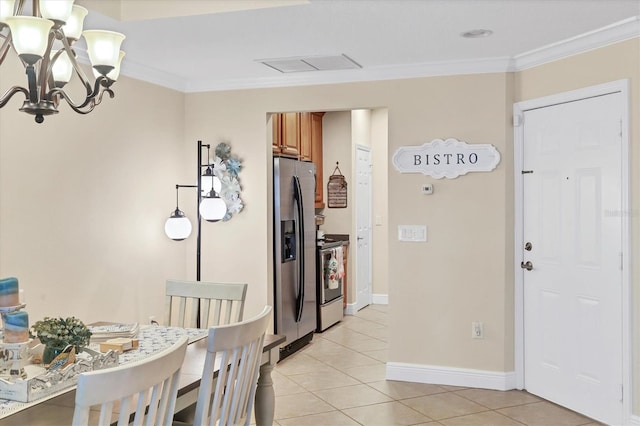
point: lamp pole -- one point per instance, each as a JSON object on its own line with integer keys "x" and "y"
{"x": 210, "y": 207}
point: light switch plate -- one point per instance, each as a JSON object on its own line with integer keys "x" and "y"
{"x": 412, "y": 233}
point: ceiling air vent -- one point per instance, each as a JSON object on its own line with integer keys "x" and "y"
{"x": 311, "y": 63}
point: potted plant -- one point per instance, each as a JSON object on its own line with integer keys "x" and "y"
{"x": 57, "y": 333}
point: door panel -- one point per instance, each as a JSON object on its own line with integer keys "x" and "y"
{"x": 572, "y": 218}
{"x": 363, "y": 224}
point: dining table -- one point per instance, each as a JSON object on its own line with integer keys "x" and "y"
{"x": 58, "y": 410}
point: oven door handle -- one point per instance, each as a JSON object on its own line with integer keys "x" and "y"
{"x": 299, "y": 210}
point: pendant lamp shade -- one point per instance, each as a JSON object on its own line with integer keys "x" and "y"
{"x": 29, "y": 35}
{"x": 56, "y": 10}
{"x": 75, "y": 23}
{"x": 178, "y": 226}
{"x": 103, "y": 48}
{"x": 212, "y": 209}
{"x": 62, "y": 69}
{"x": 6, "y": 9}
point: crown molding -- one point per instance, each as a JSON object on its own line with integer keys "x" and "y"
{"x": 471, "y": 66}
{"x": 614, "y": 33}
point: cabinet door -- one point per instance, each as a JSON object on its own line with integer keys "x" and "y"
{"x": 305, "y": 137}
{"x": 290, "y": 134}
{"x": 276, "y": 138}
{"x": 316, "y": 156}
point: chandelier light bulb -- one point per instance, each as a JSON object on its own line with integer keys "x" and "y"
{"x": 30, "y": 36}
{"x": 212, "y": 209}
{"x": 6, "y": 9}
{"x": 56, "y": 10}
{"x": 178, "y": 226}
{"x": 73, "y": 28}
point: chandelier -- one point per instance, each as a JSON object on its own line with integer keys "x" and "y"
{"x": 43, "y": 42}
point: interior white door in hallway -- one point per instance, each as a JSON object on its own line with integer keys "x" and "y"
{"x": 572, "y": 255}
{"x": 363, "y": 227}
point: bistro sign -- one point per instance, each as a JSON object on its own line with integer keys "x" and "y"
{"x": 446, "y": 158}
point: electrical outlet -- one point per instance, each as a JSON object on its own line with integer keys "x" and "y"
{"x": 477, "y": 330}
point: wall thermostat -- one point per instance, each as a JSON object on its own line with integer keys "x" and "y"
{"x": 427, "y": 188}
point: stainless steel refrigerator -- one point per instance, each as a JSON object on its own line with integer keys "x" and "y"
{"x": 294, "y": 235}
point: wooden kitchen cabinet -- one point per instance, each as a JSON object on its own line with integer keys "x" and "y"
{"x": 306, "y": 147}
{"x": 316, "y": 155}
{"x": 286, "y": 135}
{"x": 299, "y": 135}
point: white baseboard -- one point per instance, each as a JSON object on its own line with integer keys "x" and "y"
{"x": 635, "y": 420}
{"x": 376, "y": 299}
{"x": 434, "y": 374}
{"x": 350, "y": 309}
{"x": 380, "y": 299}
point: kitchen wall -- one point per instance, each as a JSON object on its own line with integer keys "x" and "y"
{"x": 337, "y": 147}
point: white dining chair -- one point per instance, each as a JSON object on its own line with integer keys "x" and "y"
{"x": 220, "y": 303}
{"x": 147, "y": 388}
{"x": 233, "y": 351}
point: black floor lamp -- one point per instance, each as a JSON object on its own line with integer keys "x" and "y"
{"x": 211, "y": 208}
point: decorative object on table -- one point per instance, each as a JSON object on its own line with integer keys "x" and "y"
{"x": 14, "y": 354}
{"x": 103, "y": 332}
{"x": 337, "y": 189}
{"x": 42, "y": 36}
{"x": 119, "y": 344}
{"x": 9, "y": 292}
{"x": 215, "y": 179}
{"x": 64, "y": 358}
{"x": 16, "y": 327}
{"x": 57, "y": 333}
{"x": 40, "y": 382}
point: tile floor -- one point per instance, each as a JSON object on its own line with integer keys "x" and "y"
{"x": 339, "y": 379}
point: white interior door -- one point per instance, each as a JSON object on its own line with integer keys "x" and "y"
{"x": 363, "y": 226}
{"x": 572, "y": 232}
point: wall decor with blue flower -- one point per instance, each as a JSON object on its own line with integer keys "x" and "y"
{"x": 226, "y": 167}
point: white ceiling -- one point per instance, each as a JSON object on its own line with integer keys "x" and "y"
{"x": 388, "y": 38}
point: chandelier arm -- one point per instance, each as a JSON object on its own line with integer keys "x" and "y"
{"x": 33, "y": 84}
{"x": 97, "y": 92}
{"x": 87, "y": 106}
{"x": 45, "y": 66}
{"x": 6, "y": 46}
{"x": 9, "y": 94}
{"x": 76, "y": 67}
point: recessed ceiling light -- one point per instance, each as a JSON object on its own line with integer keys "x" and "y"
{"x": 476, "y": 33}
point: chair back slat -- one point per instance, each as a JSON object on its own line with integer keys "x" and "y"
{"x": 238, "y": 349}
{"x": 220, "y": 303}
{"x": 152, "y": 382}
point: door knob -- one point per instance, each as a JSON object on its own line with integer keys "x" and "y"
{"x": 528, "y": 266}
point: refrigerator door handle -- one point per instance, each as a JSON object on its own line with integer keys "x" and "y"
{"x": 297, "y": 196}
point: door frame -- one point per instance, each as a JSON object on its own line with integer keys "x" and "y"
{"x": 619, "y": 86}
{"x": 358, "y": 304}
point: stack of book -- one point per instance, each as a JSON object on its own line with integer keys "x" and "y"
{"x": 103, "y": 332}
